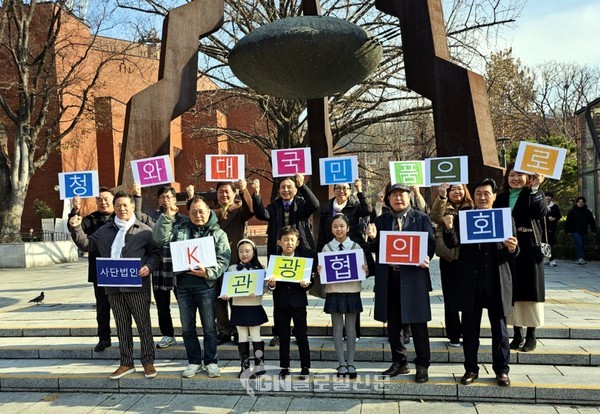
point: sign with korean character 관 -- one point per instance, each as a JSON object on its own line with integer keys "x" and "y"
{"x": 243, "y": 283}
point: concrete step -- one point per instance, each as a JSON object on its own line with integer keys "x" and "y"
{"x": 530, "y": 383}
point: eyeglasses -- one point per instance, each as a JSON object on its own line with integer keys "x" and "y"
{"x": 341, "y": 188}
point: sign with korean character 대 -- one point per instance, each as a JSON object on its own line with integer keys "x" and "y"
{"x": 122, "y": 272}
{"x": 338, "y": 170}
{"x": 289, "y": 268}
{"x": 451, "y": 170}
{"x": 224, "y": 167}
{"x": 484, "y": 226}
{"x": 403, "y": 247}
{"x": 192, "y": 253}
{"x": 152, "y": 171}
{"x": 541, "y": 159}
{"x": 407, "y": 172}
{"x": 79, "y": 183}
{"x": 243, "y": 283}
{"x": 287, "y": 162}
{"x": 342, "y": 266}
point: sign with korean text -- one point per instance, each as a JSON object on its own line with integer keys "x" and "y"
{"x": 338, "y": 170}
{"x": 243, "y": 283}
{"x": 193, "y": 253}
{"x": 484, "y": 226}
{"x": 408, "y": 172}
{"x": 342, "y": 266}
{"x": 152, "y": 171}
{"x": 403, "y": 247}
{"x": 451, "y": 170}
{"x": 224, "y": 167}
{"x": 79, "y": 183}
{"x": 287, "y": 162}
{"x": 541, "y": 159}
{"x": 289, "y": 268}
{"x": 120, "y": 272}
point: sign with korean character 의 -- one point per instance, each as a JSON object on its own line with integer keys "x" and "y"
{"x": 403, "y": 247}
{"x": 121, "y": 272}
{"x": 243, "y": 283}
{"x": 289, "y": 268}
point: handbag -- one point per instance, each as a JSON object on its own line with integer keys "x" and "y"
{"x": 542, "y": 250}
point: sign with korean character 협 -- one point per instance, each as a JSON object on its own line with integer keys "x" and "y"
{"x": 484, "y": 226}
{"x": 289, "y": 268}
{"x": 152, "y": 171}
{"x": 541, "y": 159}
{"x": 120, "y": 272}
{"x": 243, "y": 283}
{"x": 287, "y": 162}
{"x": 403, "y": 247}
{"x": 224, "y": 167}
{"x": 407, "y": 172}
{"x": 338, "y": 170}
{"x": 79, "y": 183}
{"x": 342, "y": 266}
{"x": 451, "y": 170}
{"x": 192, "y": 253}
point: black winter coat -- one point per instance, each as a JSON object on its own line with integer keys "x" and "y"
{"x": 578, "y": 220}
{"x": 355, "y": 208}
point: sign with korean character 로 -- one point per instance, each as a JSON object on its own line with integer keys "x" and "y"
{"x": 338, "y": 170}
{"x": 192, "y": 253}
{"x": 122, "y": 272}
{"x": 484, "y": 226}
{"x": 224, "y": 167}
{"x": 407, "y": 172}
{"x": 451, "y": 170}
{"x": 79, "y": 183}
{"x": 289, "y": 268}
{"x": 287, "y": 162}
{"x": 342, "y": 266}
{"x": 541, "y": 159}
{"x": 152, "y": 171}
{"x": 403, "y": 247}
{"x": 243, "y": 283}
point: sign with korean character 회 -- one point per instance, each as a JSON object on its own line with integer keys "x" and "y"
{"x": 192, "y": 253}
{"x": 403, "y": 247}
{"x": 289, "y": 268}
{"x": 451, "y": 170}
{"x": 484, "y": 226}
{"x": 541, "y": 159}
{"x": 342, "y": 266}
{"x": 79, "y": 183}
{"x": 152, "y": 171}
{"x": 224, "y": 167}
{"x": 338, "y": 170}
{"x": 122, "y": 272}
{"x": 408, "y": 172}
{"x": 243, "y": 283}
{"x": 287, "y": 162}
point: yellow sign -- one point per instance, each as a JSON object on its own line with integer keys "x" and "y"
{"x": 290, "y": 269}
{"x": 243, "y": 283}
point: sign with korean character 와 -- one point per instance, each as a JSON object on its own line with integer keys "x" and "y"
{"x": 152, "y": 171}
{"x": 79, "y": 183}
{"x": 407, "y": 172}
{"x": 243, "y": 283}
{"x": 451, "y": 170}
{"x": 484, "y": 226}
{"x": 403, "y": 247}
{"x": 120, "y": 272}
{"x": 338, "y": 170}
{"x": 287, "y": 162}
{"x": 342, "y": 266}
{"x": 289, "y": 268}
{"x": 541, "y": 159}
{"x": 192, "y": 253}
{"x": 224, "y": 167}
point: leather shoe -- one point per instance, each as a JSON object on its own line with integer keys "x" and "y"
{"x": 516, "y": 343}
{"x": 223, "y": 339}
{"x": 396, "y": 369}
{"x": 284, "y": 373}
{"x": 102, "y": 345}
{"x": 503, "y": 380}
{"x": 304, "y": 372}
{"x": 422, "y": 375}
{"x": 530, "y": 345}
{"x": 468, "y": 378}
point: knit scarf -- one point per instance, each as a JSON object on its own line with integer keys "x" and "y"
{"x": 119, "y": 242}
{"x": 337, "y": 208}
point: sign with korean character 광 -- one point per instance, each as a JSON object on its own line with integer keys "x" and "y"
{"x": 120, "y": 272}
{"x": 289, "y": 268}
{"x": 338, "y": 170}
{"x": 451, "y": 170}
{"x": 535, "y": 158}
{"x": 342, "y": 266}
{"x": 192, "y": 253}
{"x": 484, "y": 226}
{"x": 224, "y": 167}
{"x": 287, "y": 162}
{"x": 403, "y": 247}
{"x": 243, "y": 283}
{"x": 152, "y": 171}
{"x": 407, "y": 172}
{"x": 79, "y": 183}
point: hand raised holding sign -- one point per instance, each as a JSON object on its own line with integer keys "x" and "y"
{"x": 76, "y": 204}
{"x": 358, "y": 185}
{"x": 75, "y": 221}
{"x": 449, "y": 221}
{"x": 240, "y": 184}
{"x": 537, "y": 180}
{"x": 443, "y": 189}
{"x": 190, "y": 191}
{"x": 299, "y": 179}
{"x": 371, "y": 231}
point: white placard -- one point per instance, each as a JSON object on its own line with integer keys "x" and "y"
{"x": 152, "y": 171}
{"x": 224, "y": 167}
{"x": 535, "y": 158}
{"x": 338, "y": 170}
{"x": 287, "y": 162}
{"x": 485, "y": 226}
{"x": 191, "y": 253}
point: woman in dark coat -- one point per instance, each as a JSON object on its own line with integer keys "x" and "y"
{"x": 579, "y": 218}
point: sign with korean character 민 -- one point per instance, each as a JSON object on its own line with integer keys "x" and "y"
{"x": 289, "y": 268}
{"x": 80, "y": 183}
{"x": 403, "y": 247}
{"x": 542, "y": 159}
{"x": 338, "y": 170}
{"x": 484, "y": 226}
{"x": 243, "y": 283}
{"x": 288, "y": 162}
{"x": 451, "y": 170}
{"x": 224, "y": 167}
{"x": 152, "y": 171}
{"x": 407, "y": 172}
{"x": 342, "y": 266}
{"x": 120, "y": 272}
{"x": 193, "y": 253}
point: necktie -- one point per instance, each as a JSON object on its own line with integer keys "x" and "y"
{"x": 341, "y": 246}
{"x": 399, "y": 222}
{"x": 286, "y": 206}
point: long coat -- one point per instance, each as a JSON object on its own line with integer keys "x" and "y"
{"x": 355, "y": 208}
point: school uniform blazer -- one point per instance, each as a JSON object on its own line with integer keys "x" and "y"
{"x": 290, "y": 295}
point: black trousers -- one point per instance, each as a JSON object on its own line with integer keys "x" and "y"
{"x": 102, "y": 312}
{"x": 163, "y": 308}
{"x": 283, "y": 318}
{"x": 224, "y": 326}
{"x": 449, "y": 274}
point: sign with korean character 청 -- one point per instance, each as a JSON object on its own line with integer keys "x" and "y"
{"x": 289, "y": 268}
{"x": 287, "y": 162}
{"x": 243, "y": 283}
{"x": 152, "y": 171}
{"x": 224, "y": 167}
{"x": 483, "y": 226}
{"x": 342, "y": 266}
{"x": 408, "y": 172}
{"x": 338, "y": 170}
{"x": 122, "y": 272}
{"x": 192, "y": 253}
{"x": 541, "y": 159}
{"x": 451, "y": 170}
{"x": 403, "y": 247}
{"x": 79, "y": 183}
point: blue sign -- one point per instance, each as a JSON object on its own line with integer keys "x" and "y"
{"x": 338, "y": 170}
{"x": 119, "y": 272}
{"x": 79, "y": 183}
{"x": 482, "y": 226}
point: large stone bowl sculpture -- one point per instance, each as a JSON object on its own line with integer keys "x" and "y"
{"x": 305, "y": 57}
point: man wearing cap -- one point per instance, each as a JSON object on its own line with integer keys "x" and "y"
{"x": 402, "y": 291}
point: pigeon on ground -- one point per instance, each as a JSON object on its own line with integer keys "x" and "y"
{"x": 38, "y": 300}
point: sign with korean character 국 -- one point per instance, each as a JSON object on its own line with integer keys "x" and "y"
{"x": 224, "y": 167}
{"x": 192, "y": 253}
{"x": 407, "y": 172}
{"x": 342, "y": 266}
{"x": 403, "y": 247}
{"x": 338, "y": 170}
{"x": 535, "y": 158}
{"x": 289, "y": 268}
{"x": 243, "y": 283}
{"x": 152, "y": 171}
{"x": 451, "y": 170}
{"x": 80, "y": 183}
{"x": 122, "y": 272}
{"x": 484, "y": 226}
{"x": 287, "y": 162}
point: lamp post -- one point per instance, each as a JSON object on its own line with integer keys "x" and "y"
{"x": 502, "y": 155}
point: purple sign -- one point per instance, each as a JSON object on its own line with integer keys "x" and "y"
{"x": 342, "y": 266}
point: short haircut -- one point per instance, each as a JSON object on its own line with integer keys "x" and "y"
{"x": 222, "y": 183}
{"x": 165, "y": 189}
{"x": 287, "y": 231}
{"x": 123, "y": 194}
{"x": 106, "y": 190}
{"x": 285, "y": 179}
{"x": 196, "y": 199}
{"x": 487, "y": 181}
{"x": 580, "y": 198}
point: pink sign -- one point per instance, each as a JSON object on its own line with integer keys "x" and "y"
{"x": 152, "y": 171}
{"x": 291, "y": 161}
